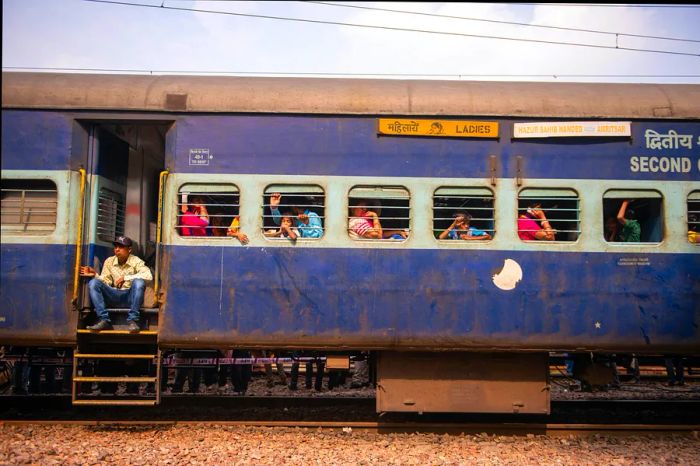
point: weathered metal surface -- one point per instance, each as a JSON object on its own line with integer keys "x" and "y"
{"x": 348, "y": 96}
{"x": 334, "y": 146}
{"x": 462, "y": 382}
{"x": 422, "y": 298}
{"x": 36, "y": 291}
{"x": 36, "y": 140}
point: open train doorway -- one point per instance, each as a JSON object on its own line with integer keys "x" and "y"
{"x": 123, "y": 160}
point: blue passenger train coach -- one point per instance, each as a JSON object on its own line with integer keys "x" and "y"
{"x": 88, "y": 157}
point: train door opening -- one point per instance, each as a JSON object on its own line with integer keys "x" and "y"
{"x": 124, "y": 160}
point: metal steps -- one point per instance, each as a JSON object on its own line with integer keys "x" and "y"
{"x": 117, "y": 356}
{"x": 117, "y": 332}
{"x": 117, "y": 402}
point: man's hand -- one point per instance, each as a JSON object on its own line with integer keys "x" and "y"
{"x": 275, "y": 200}
{"x": 119, "y": 282}
{"x": 243, "y": 238}
{"x": 87, "y": 271}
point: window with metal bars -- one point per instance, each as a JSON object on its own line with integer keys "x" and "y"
{"x": 641, "y": 219}
{"x": 293, "y": 211}
{"x": 110, "y": 215}
{"x": 205, "y": 210}
{"x": 693, "y": 217}
{"x": 28, "y": 206}
{"x": 464, "y": 213}
{"x": 379, "y": 212}
{"x": 548, "y": 215}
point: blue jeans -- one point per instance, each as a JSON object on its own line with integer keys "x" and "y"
{"x": 101, "y": 293}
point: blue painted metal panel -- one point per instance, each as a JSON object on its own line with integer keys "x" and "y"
{"x": 429, "y": 298}
{"x": 37, "y": 285}
{"x": 349, "y": 146}
{"x": 36, "y": 140}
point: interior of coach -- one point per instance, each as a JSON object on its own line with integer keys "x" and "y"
{"x": 646, "y": 208}
{"x": 128, "y": 157}
{"x": 207, "y": 209}
{"x": 476, "y": 202}
{"x": 292, "y": 197}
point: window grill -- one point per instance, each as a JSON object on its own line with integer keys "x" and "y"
{"x": 693, "y": 217}
{"x": 205, "y": 210}
{"x": 390, "y": 203}
{"x": 304, "y": 205}
{"x": 644, "y": 206}
{"x": 110, "y": 215}
{"x": 29, "y": 206}
{"x": 473, "y": 201}
{"x": 560, "y": 207}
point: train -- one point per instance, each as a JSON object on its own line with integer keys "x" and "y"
{"x": 454, "y": 325}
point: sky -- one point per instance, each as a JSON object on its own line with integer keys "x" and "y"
{"x": 81, "y": 35}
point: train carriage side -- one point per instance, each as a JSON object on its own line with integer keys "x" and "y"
{"x": 579, "y": 292}
{"x": 39, "y": 183}
{"x": 456, "y": 325}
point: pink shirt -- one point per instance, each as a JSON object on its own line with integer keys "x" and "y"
{"x": 193, "y": 220}
{"x": 359, "y": 226}
{"x": 527, "y": 228}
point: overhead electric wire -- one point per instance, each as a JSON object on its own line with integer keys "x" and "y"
{"x": 512, "y": 23}
{"x": 605, "y": 5}
{"x": 312, "y": 73}
{"x": 390, "y": 28}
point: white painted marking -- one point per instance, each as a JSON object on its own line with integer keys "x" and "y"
{"x": 509, "y": 276}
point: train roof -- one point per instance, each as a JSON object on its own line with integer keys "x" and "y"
{"x": 217, "y": 94}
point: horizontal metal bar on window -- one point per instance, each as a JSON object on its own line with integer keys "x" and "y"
{"x": 48, "y": 200}
{"x": 206, "y": 190}
{"x": 462, "y": 198}
{"x": 474, "y": 219}
{"x": 440, "y": 230}
{"x": 631, "y": 195}
{"x": 28, "y": 191}
{"x": 27, "y": 210}
{"x": 550, "y": 211}
{"x": 293, "y": 215}
{"x": 458, "y": 209}
{"x": 307, "y": 206}
{"x": 30, "y": 223}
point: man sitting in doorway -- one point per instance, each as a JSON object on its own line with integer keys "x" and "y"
{"x": 121, "y": 283}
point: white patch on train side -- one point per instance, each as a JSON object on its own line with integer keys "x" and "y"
{"x": 509, "y": 276}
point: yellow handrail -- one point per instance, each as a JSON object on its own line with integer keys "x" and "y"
{"x": 159, "y": 225}
{"x": 79, "y": 239}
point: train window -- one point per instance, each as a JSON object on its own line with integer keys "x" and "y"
{"x": 633, "y": 216}
{"x": 379, "y": 212}
{"x": 548, "y": 214}
{"x": 475, "y": 205}
{"x": 28, "y": 206}
{"x": 207, "y": 210}
{"x": 110, "y": 215}
{"x": 694, "y": 217}
{"x": 293, "y": 210}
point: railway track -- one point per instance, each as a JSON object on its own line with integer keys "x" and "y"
{"x": 579, "y": 417}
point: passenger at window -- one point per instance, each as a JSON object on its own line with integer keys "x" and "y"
{"x": 693, "y": 227}
{"x": 286, "y": 230}
{"x": 234, "y": 230}
{"x": 365, "y": 223}
{"x": 195, "y": 218}
{"x": 460, "y": 229}
{"x": 631, "y": 230}
{"x": 529, "y": 229}
{"x": 611, "y": 234}
{"x": 307, "y": 222}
